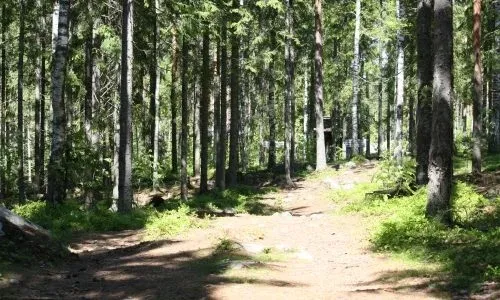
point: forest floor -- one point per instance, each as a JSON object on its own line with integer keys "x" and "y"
{"x": 307, "y": 250}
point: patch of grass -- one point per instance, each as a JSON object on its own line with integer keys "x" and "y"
{"x": 319, "y": 175}
{"x": 69, "y": 218}
{"x": 491, "y": 163}
{"x": 467, "y": 252}
{"x": 351, "y": 198}
{"x": 243, "y": 199}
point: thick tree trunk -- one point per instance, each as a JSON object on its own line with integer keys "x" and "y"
{"x": 318, "y": 86}
{"x": 477, "y": 81}
{"x": 271, "y": 108}
{"x": 355, "y": 81}
{"x": 400, "y": 85}
{"x": 173, "y": 100}
{"x": 221, "y": 149}
{"x": 125, "y": 192}
{"x": 204, "y": 104}
{"x": 289, "y": 93}
{"x": 424, "y": 97}
{"x": 235, "y": 113}
{"x": 56, "y": 189}
{"x": 184, "y": 118}
{"x": 441, "y": 151}
{"x": 20, "y": 117}
{"x": 154, "y": 91}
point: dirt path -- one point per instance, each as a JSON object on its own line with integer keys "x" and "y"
{"x": 326, "y": 258}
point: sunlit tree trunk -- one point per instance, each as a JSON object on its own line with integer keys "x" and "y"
{"x": 55, "y": 24}
{"x": 477, "y": 128}
{"x": 318, "y": 86}
{"x": 289, "y": 93}
{"x": 20, "y": 117}
{"x": 424, "y": 97}
{"x": 154, "y": 91}
{"x": 400, "y": 86}
{"x": 125, "y": 193}
{"x": 355, "y": 80}
{"x": 441, "y": 151}
{"x": 56, "y": 189}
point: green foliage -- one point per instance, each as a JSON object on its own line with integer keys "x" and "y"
{"x": 468, "y": 252}
{"x": 463, "y": 145}
{"x": 392, "y": 175}
{"x": 69, "y": 218}
{"x": 358, "y": 159}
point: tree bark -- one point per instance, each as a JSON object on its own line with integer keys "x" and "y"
{"x": 477, "y": 107}
{"x": 173, "y": 100}
{"x": 184, "y": 118}
{"x": 271, "y": 108}
{"x": 55, "y": 24}
{"x": 289, "y": 93}
{"x": 355, "y": 81}
{"x": 4, "y": 103}
{"x": 495, "y": 87}
{"x": 441, "y": 151}
{"x": 221, "y": 149}
{"x": 125, "y": 193}
{"x": 424, "y": 97}
{"x": 154, "y": 91}
{"x": 56, "y": 189}
{"x": 20, "y": 117}
{"x": 318, "y": 87}
{"x": 235, "y": 113}
{"x": 204, "y": 103}
{"x": 400, "y": 86}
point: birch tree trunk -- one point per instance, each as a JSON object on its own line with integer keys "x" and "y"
{"x": 56, "y": 189}
{"x": 20, "y": 116}
{"x": 477, "y": 107}
{"x": 355, "y": 81}
{"x": 125, "y": 193}
{"x": 400, "y": 83}
{"x": 441, "y": 151}
{"x": 318, "y": 86}
{"x": 55, "y": 24}
{"x": 424, "y": 97}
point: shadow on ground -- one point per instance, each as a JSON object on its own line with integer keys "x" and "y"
{"x": 137, "y": 271}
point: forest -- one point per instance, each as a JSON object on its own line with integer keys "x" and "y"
{"x": 249, "y": 149}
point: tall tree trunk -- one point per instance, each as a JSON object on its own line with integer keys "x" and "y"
{"x": 477, "y": 128}
{"x": 289, "y": 93}
{"x": 196, "y": 121}
{"x": 20, "y": 117}
{"x": 204, "y": 104}
{"x": 235, "y": 113}
{"x": 271, "y": 108}
{"x": 441, "y": 151}
{"x": 400, "y": 83}
{"x": 318, "y": 86}
{"x": 56, "y": 189}
{"x": 382, "y": 60}
{"x": 305, "y": 113}
{"x": 184, "y": 119}
{"x": 4, "y": 103}
{"x": 173, "y": 99}
{"x": 424, "y": 97}
{"x": 221, "y": 149}
{"x": 55, "y": 24}
{"x": 495, "y": 87}
{"x": 125, "y": 193}
{"x": 355, "y": 81}
{"x": 154, "y": 91}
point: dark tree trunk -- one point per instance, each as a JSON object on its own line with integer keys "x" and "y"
{"x": 271, "y": 108}
{"x": 424, "y": 97}
{"x": 20, "y": 116}
{"x": 477, "y": 108}
{"x": 221, "y": 149}
{"x": 125, "y": 193}
{"x": 173, "y": 100}
{"x": 235, "y": 113}
{"x": 318, "y": 86}
{"x": 495, "y": 87}
{"x": 4, "y": 103}
{"x": 289, "y": 92}
{"x": 184, "y": 118}
{"x": 56, "y": 189}
{"x": 441, "y": 151}
{"x": 154, "y": 92}
{"x": 204, "y": 104}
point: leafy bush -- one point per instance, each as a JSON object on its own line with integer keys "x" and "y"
{"x": 358, "y": 159}
{"x": 463, "y": 145}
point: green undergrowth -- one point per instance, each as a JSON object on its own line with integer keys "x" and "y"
{"x": 467, "y": 253}
{"x": 70, "y": 218}
{"x": 243, "y": 199}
